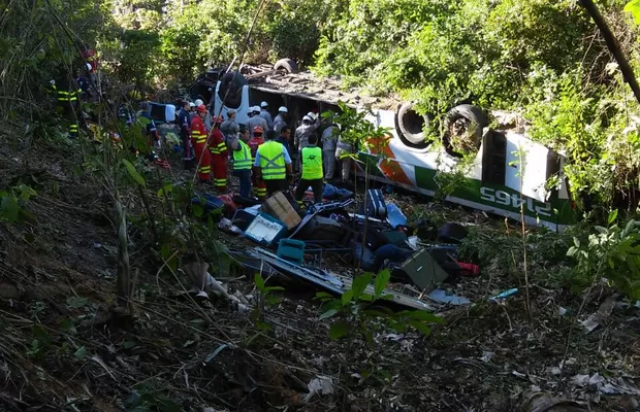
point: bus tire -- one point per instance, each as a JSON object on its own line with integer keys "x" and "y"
{"x": 287, "y": 65}
{"x": 474, "y": 118}
{"x": 233, "y": 83}
{"x": 410, "y": 126}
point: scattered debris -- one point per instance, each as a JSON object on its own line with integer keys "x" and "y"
{"x": 600, "y": 316}
{"x": 321, "y": 386}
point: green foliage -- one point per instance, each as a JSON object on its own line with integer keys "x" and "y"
{"x": 12, "y": 203}
{"x": 265, "y": 298}
{"x": 355, "y": 315}
{"x": 613, "y": 252}
{"x": 633, "y": 7}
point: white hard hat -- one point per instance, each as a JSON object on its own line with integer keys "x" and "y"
{"x": 312, "y": 115}
{"x": 256, "y": 109}
{"x": 264, "y": 104}
{"x": 307, "y": 118}
{"x": 283, "y": 109}
{"x": 199, "y": 102}
{"x": 192, "y": 104}
{"x": 88, "y": 66}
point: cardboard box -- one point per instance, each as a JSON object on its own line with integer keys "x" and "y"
{"x": 279, "y": 207}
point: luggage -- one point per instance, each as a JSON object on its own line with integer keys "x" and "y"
{"x": 423, "y": 270}
{"x": 246, "y": 201}
{"x": 452, "y": 233}
{"x": 279, "y": 206}
{"x": 375, "y": 206}
{"x": 211, "y": 202}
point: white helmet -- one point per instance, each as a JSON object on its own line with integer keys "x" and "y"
{"x": 255, "y": 109}
{"x": 264, "y": 104}
{"x": 192, "y": 104}
{"x": 198, "y": 102}
{"x": 307, "y": 118}
{"x": 312, "y": 115}
{"x": 283, "y": 109}
{"x": 88, "y": 66}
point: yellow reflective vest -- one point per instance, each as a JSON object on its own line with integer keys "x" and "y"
{"x": 312, "y": 163}
{"x": 242, "y": 157}
{"x": 272, "y": 160}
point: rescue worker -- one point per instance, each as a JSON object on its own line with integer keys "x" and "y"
{"x": 184, "y": 120}
{"x": 194, "y": 112}
{"x": 199, "y": 139}
{"x": 264, "y": 113}
{"x": 254, "y": 143}
{"x": 207, "y": 117}
{"x": 329, "y": 143}
{"x": 311, "y": 171}
{"x": 218, "y": 150}
{"x": 344, "y": 149}
{"x": 256, "y": 120}
{"x": 281, "y": 119}
{"x": 84, "y": 83}
{"x": 67, "y": 93}
{"x": 242, "y": 161}
{"x": 285, "y": 137}
{"x": 309, "y": 125}
{"x": 230, "y": 128}
{"x": 273, "y": 165}
{"x": 150, "y": 130}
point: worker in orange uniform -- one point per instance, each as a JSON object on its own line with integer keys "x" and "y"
{"x": 254, "y": 143}
{"x": 199, "y": 139}
{"x": 218, "y": 150}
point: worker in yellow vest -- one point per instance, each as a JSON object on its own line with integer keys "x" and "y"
{"x": 273, "y": 165}
{"x": 242, "y": 161}
{"x": 312, "y": 174}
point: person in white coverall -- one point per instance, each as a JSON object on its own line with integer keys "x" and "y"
{"x": 264, "y": 113}
{"x": 256, "y": 120}
{"x": 329, "y": 143}
{"x": 344, "y": 150}
{"x": 281, "y": 119}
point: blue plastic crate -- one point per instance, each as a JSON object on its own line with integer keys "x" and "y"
{"x": 291, "y": 250}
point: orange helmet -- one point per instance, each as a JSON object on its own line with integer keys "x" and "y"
{"x": 217, "y": 119}
{"x": 202, "y": 108}
{"x": 257, "y": 129}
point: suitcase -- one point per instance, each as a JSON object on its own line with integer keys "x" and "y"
{"x": 452, "y": 233}
{"x": 375, "y": 206}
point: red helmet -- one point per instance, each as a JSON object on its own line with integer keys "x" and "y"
{"x": 257, "y": 129}
{"x": 217, "y": 119}
{"x": 202, "y": 108}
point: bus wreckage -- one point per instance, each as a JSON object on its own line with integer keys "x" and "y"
{"x": 508, "y": 173}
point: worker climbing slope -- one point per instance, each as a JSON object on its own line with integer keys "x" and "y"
{"x": 218, "y": 150}
{"x": 199, "y": 139}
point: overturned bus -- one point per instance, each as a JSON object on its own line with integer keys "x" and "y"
{"x": 508, "y": 169}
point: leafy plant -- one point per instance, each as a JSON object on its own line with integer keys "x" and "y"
{"x": 265, "y": 298}
{"x": 613, "y": 252}
{"x": 12, "y": 202}
{"x": 357, "y": 317}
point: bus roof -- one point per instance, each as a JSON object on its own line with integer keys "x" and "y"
{"x": 307, "y": 85}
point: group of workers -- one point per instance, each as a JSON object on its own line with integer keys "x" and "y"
{"x": 261, "y": 150}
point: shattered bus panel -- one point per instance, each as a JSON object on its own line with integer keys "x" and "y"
{"x": 509, "y": 171}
